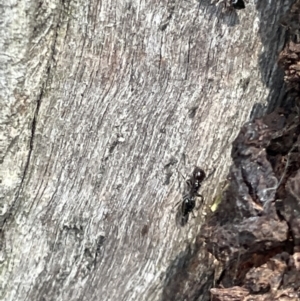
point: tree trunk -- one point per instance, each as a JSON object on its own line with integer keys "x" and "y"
{"x": 104, "y": 105}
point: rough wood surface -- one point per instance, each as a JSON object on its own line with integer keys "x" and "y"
{"x": 103, "y": 105}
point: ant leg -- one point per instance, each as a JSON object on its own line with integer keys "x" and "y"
{"x": 210, "y": 174}
{"x": 182, "y": 177}
{"x": 200, "y": 196}
{"x": 181, "y": 174}
{"x": 177, "y": 204}
{"x": 189, "y": 183}
{"x": 201, "y": 201}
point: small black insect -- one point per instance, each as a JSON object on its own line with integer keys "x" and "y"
{"x": 189, "y": 199}
{"x": 232, "y": 4}
{"x": 238, "y": 4}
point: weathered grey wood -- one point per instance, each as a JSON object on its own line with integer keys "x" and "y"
{"x": 97, "y": 97}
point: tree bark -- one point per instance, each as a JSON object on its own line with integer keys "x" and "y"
{"x": 104, "y": 105}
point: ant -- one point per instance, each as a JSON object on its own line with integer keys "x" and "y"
{"x": 189, "y": 199}
{"x": 237, "y": 4}
{"x": 232, "y": 4}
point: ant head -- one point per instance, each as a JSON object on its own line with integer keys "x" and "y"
{"x": 199, "y": 174}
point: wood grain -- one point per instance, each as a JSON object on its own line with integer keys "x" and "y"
{"x": 104, "y": 104}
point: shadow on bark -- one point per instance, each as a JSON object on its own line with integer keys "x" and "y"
{"x": 272, "y": 37}
{"x": 182, "y": 281}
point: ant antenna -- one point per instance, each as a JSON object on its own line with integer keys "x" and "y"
{"x": 210, "y": 174}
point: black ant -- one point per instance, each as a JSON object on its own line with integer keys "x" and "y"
{"x": 189, "y": 199}
{"x": 235, "y": 4}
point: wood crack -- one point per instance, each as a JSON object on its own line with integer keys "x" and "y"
{"x": 15, "y": 203}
